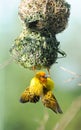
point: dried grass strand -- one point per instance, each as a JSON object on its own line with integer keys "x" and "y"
{"x": 7, "y": 62}
{"x": 43, "y": 121}
{"x": 72, "y": 73}
{"x": 69, "y": 115}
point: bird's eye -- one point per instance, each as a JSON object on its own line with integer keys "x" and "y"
{"x": 43, "y": 76}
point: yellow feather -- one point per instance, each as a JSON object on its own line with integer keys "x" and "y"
{"x": 49, "y": 84}
{"x": 36, "y": 87}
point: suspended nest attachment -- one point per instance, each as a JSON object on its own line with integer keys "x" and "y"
{"x": 34, "y": 50}
{"x": 45, "y": 14}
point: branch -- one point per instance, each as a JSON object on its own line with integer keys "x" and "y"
{"x": 6, "y": 63}
{"x": 69, "y": 115}
{"x": 43, "y": 121}
{"x": 69, "y": 71}
{"x": 72, "y": 73}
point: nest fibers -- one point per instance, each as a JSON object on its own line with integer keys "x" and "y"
{"x": 45, "y": 14}
{"x": 32, "y": 49}
{"x": 37, "y": 45}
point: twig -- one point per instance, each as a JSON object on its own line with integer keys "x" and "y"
{"x": 43, "y": 122}
{"x": 70, "y": 79}
{"x": 71, "y": 72}
{"x": 69, "y": 115}
{"x": 5, "y": 63}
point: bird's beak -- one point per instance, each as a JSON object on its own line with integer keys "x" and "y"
{"x": 47, "y": 76}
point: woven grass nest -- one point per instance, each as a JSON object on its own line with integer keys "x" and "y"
{"x": 37, "y": 46}
{"x": 45, "y": 14}
{"x": 34, "y": 50}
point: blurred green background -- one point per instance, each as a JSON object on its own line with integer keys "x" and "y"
{"x": 14, "y": 78}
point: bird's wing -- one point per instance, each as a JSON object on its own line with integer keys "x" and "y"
{"x": 50, "y": 101}
{"x": 28, "y": 96}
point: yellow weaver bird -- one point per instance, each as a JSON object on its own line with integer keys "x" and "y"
{"x": 41, "y": 87}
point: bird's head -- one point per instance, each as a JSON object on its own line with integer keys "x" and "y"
{"x": 42, "y": 76}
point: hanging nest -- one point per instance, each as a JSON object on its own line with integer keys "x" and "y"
{"x": 37, "y": 46}
{"x": 45, "y": 14}
{"x": 35, "y": 50}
